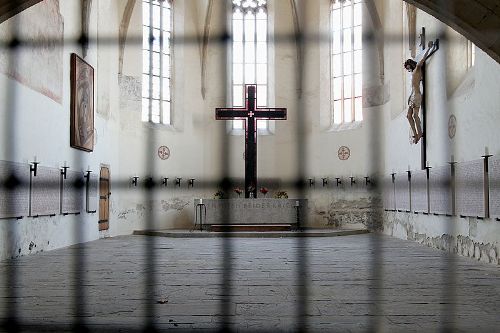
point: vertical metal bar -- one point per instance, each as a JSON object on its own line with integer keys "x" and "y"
{"x": 301, "y": 243}
{"x": 11, "y": 323}
{"x": 225, "y": 152}
{"x": 450, "y": 261}
{"x": 149, "y": 255}
{"x": 373, "y": 121}
{"x": 79, "y": 262}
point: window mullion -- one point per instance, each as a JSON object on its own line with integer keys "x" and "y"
{"x": 353, "y": 93}
{"x": 150, "y": 53}
{"x": 161, "y": 61}
{"x": 342, "y": 95}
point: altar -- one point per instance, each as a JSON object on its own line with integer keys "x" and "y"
{"x": 242, "y": 211}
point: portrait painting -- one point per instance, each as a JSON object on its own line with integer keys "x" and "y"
{"x": 82, "y": 104}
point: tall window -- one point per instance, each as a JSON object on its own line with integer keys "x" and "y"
{"x": 346, "y": 60}
{"x": 157, "y": 62}
{"x": 249, "y": 53}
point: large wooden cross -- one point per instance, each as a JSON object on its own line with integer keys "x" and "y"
{"x": 423, "y": 154}
{"x": 250, "y": 113}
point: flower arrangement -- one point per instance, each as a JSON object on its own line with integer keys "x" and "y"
{"x": 281, "y": 195}
{"x": 238, "y": 191}
{"x": 264, "y": 190}
{"x": 219, "y": 195}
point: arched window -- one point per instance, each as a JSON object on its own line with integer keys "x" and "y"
{"x": 346, "y": 60}
{"x": 157, "y": 61}
{"x": 249, "y": 53}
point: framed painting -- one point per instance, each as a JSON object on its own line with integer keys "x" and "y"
{"x": 82, "y": 104}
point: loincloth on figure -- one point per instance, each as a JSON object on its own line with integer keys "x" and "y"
{"x": 415, "y": 101}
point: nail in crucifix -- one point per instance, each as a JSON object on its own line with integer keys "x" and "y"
{"x": 250, "y": 113}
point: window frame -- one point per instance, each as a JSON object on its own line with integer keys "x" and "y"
{"x": 337, "y": 59}
{"x": 164, "y": 73}
{"x": 237, "y": 126}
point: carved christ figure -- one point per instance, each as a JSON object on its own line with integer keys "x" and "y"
{"x": 415, "y": 99}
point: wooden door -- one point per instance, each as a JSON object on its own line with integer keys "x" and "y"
{"x": 104, "y": 193}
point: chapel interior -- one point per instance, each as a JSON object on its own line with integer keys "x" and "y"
{"x": 249, "y": 165}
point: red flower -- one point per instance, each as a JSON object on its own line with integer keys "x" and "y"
{"x": 238, "y": 190}
{"x": 263, "y": 190}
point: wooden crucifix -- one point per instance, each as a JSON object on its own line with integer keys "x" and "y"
{"x": 250, "y": 113}
{"x": 417, "y": 97}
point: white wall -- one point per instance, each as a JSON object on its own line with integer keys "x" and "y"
{"x": 471, "y": 95}
{"x": 196, "y": 137}
{"x": 39, "y": 126}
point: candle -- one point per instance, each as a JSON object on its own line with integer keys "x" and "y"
{"x": 34, "y": 159}
{"x": 201, "y": 201}
{"x": 486, "y": 151}
{"x": 65, "y": 164}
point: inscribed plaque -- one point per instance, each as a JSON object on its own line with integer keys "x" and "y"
{"x": 14, "y": 189}
{"x": 388, "y": 193}
{"x": 494, "y": 176}
{"x": 402, "y": 192}
{"x": 440, "y": 191}
{"x": 419, "y": 197}
{"x": 73, "y": 188}
{"x": 469, "y": 188}
{"x": 92, "y": 193}
{"x": 45, "y": 192}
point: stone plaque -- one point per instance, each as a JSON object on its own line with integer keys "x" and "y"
{"x": 419, "y": 197}
{"x": 440, "y": 191}
{"x": 388, "y": 193}
{"x": 469, "y": 188}
{"x": 14, "y": 189}
{"x": 253, "y": 211}
{"x": 402, "y": 192}
{"x": 45, "y": 192}
{"x": 92, "y": 193}
{"x": 73, "y": 190}
{"x": 494, "y": 176}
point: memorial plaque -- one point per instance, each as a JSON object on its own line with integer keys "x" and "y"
{"x": 388, "y": 194}
{"x": 45, "y": 192}
{"x": 14, "y": 189}
{"x": 469, "y": 188}
{"x": 73, "y": 191}
{"x": 92, "y": 193}
{"x": 440, "y": 191}
{"x": 402, "y": 192}
{"x": 419, "y": 197}
{"x": 494, "y": 176}
{"x": 252, "y": 211}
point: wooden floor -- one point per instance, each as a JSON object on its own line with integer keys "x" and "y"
{"x": 359, "y": 283}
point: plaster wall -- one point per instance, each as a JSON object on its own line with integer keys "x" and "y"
{"x": 471, "y": 95}
{"x": 195, "y": 138}
{"x": 33, "y": 124}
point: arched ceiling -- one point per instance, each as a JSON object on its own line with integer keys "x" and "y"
{"x": 477, "y": 20}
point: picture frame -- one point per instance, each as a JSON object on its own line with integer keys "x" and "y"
{"x": 82, "y": 104}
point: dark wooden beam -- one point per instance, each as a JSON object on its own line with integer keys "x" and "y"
{"x": 9, "y": 8}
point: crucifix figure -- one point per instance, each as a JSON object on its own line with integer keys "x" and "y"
{"x": 250, "y": 113}
{"x": 415, "y": 99}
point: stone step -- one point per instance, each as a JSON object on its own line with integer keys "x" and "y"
{"x": 249, "y": 227}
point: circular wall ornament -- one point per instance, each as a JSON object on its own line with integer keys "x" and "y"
{"x": 163, "y": 152}
{"x": 344, "y": 153}
{"x": 452, "y": 126}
